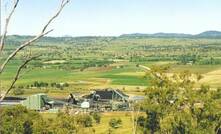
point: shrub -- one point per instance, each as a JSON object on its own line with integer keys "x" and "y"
{"x": 97, "y": 117}
{"x": 115, "y": 123}
{"x": 84, "y": 120}
{"x": 141, "y": 121}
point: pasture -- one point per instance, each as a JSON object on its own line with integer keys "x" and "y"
{"x": 102, "y": 62}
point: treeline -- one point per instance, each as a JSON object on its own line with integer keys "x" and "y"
{"x": 20, "y": 90}
{"x": 73, "y": 65}
{"x": 194, "y": 59}
{"x": 19, "y": 120}
{"x": 182, "y": 59}
{"x": 40, "y": 84}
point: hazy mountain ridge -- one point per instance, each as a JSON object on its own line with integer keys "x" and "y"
{"x": 16, "y": 39}
{"x": 206, "y": 34}
{"x": 209, "y": 34}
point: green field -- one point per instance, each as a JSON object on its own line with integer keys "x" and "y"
{"x": 91, "y": 62}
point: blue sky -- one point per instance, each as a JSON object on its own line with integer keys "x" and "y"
{"x": 115, "y": 17}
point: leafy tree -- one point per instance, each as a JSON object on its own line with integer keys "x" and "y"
{"x": 19, "y": 120}
{"x": 173, "y": 105}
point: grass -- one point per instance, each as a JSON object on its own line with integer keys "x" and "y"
{"x": 56, "y": 75}
{"x": 103, "y": 127}
{"x": 212, "y": 78}
{"x": 127, "y": 80}
{"x": 128, "y": 77}
{"x": 201, "y": 69}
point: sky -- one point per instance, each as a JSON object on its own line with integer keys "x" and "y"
{"x": 115, "y": 17}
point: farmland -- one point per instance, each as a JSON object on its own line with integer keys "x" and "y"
{"x": 82, "y": 64}
{"x": 89, "y": 62}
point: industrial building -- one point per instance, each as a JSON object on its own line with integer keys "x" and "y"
{"x": 108, "y": 95}
{"x": 108, "y": 99}
{"x": 41, "y": 102}
{"x": 97, "y": 100}
{"x": 36, "y": 102}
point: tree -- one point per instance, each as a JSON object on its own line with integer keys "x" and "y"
{"x": 152, "y": 121}
{"x": 173, "y": 105}
{"x": 23, "y": 120}
{"x": 42, "y": 33}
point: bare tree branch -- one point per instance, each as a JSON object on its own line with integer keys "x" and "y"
{"x": 2, "y": 42}
{"x": 17, "y": 76}
{"x": 43, "y": 33}
{"x": 20, "y": 48}
{"x": 63, "y": 3}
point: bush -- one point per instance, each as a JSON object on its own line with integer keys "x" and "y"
{"x": 115, "y": 123}
{"x": 66, "y": 85}
{"x": 141, "y": 121}
{"x": 84, "y": 120}
{"x": 97, "y": 117}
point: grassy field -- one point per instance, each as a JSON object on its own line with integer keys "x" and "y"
{"x": 128, "y": 77}
{"x": 103, "y": 127}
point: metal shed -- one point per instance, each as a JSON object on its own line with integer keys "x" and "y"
{"x": 36, "y": 102}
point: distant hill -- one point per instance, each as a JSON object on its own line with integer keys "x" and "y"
{"x": 209, "y": 34}
{"x": 158, "y": 35}
{"x": 17, "y": 39}
{"x": 206, "y": 34}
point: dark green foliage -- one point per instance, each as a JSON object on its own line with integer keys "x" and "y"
{"x": 97, "y": 117}
{"x": 152, "y": 121}
{"x": 18, "y": 120}
{"x": 84, "y": 120}
{"x": 45, "y": 85}
{"x": 28, "y": 127}
{"x": 174, "y": 106}
{"x": 115, "y": 123}
{"x": 40, "y": 84}
{"x": 141, "y": 121}
{"x": 63, "y": 124}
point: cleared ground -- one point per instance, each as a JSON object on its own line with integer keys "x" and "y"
{"x": 212, "y": 78}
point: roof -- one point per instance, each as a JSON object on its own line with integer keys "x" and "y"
{"x": 104, "y": 94}
{"x": 122, "y": 93}
{"x": 107, "y": 94}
